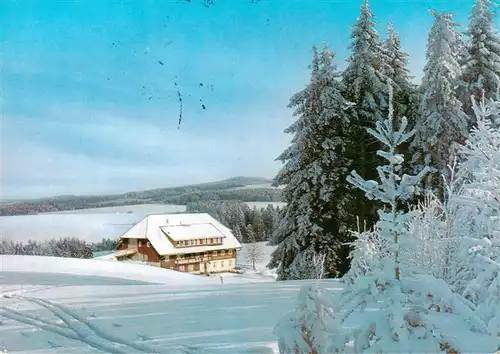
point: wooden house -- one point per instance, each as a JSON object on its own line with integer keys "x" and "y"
{"x": 195, "y": 243}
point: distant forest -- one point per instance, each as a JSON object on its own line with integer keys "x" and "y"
{"x": 213, "y": 191}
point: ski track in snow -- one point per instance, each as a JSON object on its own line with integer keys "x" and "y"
{"x": 213, "y": 319}
{"x": 76, "y": 327}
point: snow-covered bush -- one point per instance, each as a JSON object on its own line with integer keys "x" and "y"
{"x": 458, "y": 239}
{"x": 480, "y": 199}
{"x": 368, "y": 250}
{"x": 310, "y": 327}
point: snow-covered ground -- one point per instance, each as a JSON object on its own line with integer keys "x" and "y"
{"x": 91, "y": 267}
{"x": 93, "y": 308}
{"x": 88, "y": 227}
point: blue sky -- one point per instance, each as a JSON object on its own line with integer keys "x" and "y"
{"x": 88, "y": 108}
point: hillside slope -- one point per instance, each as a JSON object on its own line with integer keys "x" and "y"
{"x": 237, "y": 188}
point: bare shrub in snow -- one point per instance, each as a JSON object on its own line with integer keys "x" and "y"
{"x": 309, "y": 265}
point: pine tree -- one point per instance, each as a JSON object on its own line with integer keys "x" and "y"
{"x": 363, "y": 78}
{"x": 314, "y": 174}
{"x": 258, "y": 225}
{"x": 364, "y": 85}
{"x": 396, "y": 69}
{"x": 441, "y": 122}
{"x": 481, "y": 71}
{"x": 392, "y": 187}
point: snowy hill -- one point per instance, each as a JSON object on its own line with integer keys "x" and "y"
{"x": 90, "y": 267}
{"x": 236, "y": 188}
{"x": 94, "y": 311}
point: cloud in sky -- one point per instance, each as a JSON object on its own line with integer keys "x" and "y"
{"x": 89, "y": 108}
{"x": 116, "y": 154}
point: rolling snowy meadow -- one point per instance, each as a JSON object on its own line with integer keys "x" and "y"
{"x": 96, "y": 307}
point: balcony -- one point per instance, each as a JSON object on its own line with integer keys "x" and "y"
{"x": 191, "y": 260}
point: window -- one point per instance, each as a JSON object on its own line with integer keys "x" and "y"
{"x": 201, "y": 242}
{"x": 148, "y": 244}
{"x": 222, "y": 263}
{"x": 223, "y": 252}
{"x": 230, "y": 263}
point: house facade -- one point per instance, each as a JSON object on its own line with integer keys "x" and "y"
{"x": 194, "y": 243}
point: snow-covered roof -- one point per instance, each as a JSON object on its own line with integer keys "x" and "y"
{"x": 191, "y": 231}
{"x": 150, "y": 228}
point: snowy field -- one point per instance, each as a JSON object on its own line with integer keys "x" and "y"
{"x": 91, "y": 267}
{"x": 86, "y": 312}
{"x": 91, "y": 225}
{"x": 88, "y": 227}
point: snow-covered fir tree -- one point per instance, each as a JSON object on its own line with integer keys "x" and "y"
{"x": 392, "y": 188}
{"x": 364, "y": 78}
{"x": 314, "y": 173}
{"x": 364, "y": 85}
{"x": 481, "y": 71}
{"x": 396, "y": 68}
{"x": 441, "y": 122}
